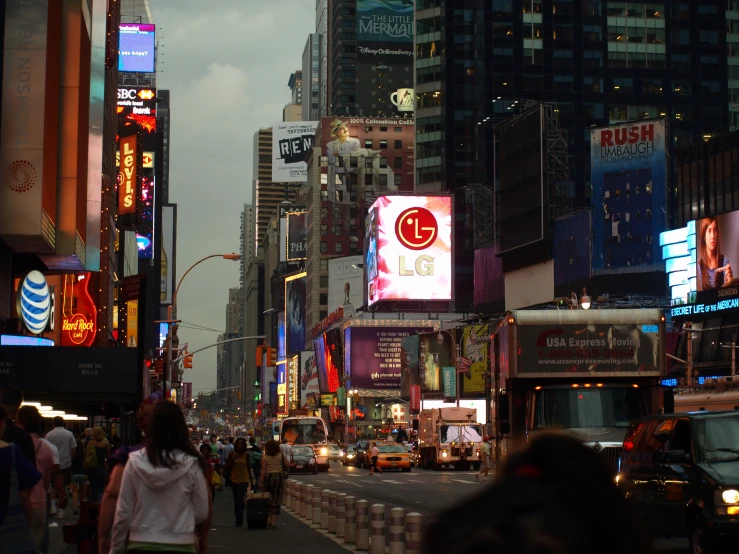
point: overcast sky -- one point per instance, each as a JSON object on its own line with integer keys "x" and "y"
{"x": 227, "y": 64}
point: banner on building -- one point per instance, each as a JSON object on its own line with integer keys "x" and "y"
{"x": 475, "y": 349}
{"x": 297, "y": 236}
{"x": 385, "y": 31}
{"x": 309, "y": 391}
{"x": 449, "y": 378}
{"x": 290, "y": 143}
{"x": 415, "y": 404}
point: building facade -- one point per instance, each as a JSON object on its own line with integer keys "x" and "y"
{"x": 312, "y": 77}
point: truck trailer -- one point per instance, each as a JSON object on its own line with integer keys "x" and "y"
{"x": 449, "y": 437}
{"x": 586, "y": 373}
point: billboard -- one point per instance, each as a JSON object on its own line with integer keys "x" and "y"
{"x": 128, "y": 177}
{"x": 329, "y": 360}
{"x": 295, "y": 291}
{"x": 282, "y": 389}
{"x": 297, "y": 236}
{"x": 375, "y": 358}
{"x": 438, "y": 356}
{"x": 290, "y": 142}
{"x": 475, "y": 344}
{"x": 169, "y": 231}
{"x": 281, "y": 346}
{"x": 385, "y": 31}
{"x": 356, "y": 157}
{"x": 628, "y": 172}
{"x": 145, "y": 229}
{"x": 698, "y": 262}
{"x": 588, "y": 348}
{"x": 136, "y": 43}
{"x": 309, "y": 391}
{"x": 345, "y": 283}
{"x": 408, "y": 247}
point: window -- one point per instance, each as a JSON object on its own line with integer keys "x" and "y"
{"x": 591, "y": 7}
{"x": 383, "y": 144}
{"x": 367, "y": 162}
{"x": 652, "y": 86}
{"x": 562, "y": 32}
{"x": 324, "y": 247}
{"x": 368, "y": 143}
{"x": 710, "y": 87}
{"x": 681, "y": 12}
{"x": 324, "y": 213}
{"x": 383, "y": 129}
{"x": 323, "y": 283}
{"x": 337, "y": 229}
{"x": 681, "y": 88}
{"x": 324, "y": 196}
{"x": 368, "y": 179}
{"x": 398, "y": 163}
{"x": 353, "y": 161}
{"x": 383, "y": 162}
{"x": 398, "y": 180}
{"x": 323, "y": 314}
{"x": 338, "y": 247}
{"x": 324, "y": 265}
{"x": 562, "y": 57}
{"x": 323, "y": 299}
{"x": 563, "y": 83}
{"x": 398, "y": 144}
{"x": 618, "y": 113}
{"x": 593, "y": 112}
{"x": 368, "y": 129}
{"x": 681, "y": 37}
{"x": 681, "y": 61}
{"x": 383, "y": 179}
{"x": 398, "y": 129}
{"x": 592, "y": 84}
{"x": 623, "y": 86}
{"x": 592, "y": 33}
{"x": 324, "y": 230}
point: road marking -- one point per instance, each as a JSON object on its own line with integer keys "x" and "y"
{"x": 392, "y": 482}
{"x": 463, "y": 481}
{"x": 414, "y": 481}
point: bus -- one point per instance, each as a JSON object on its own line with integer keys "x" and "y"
{"x": 307, "y": 430}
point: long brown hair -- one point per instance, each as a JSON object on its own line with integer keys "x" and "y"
{"x": 706, "y": 222}
{"x": 167, "y": 434}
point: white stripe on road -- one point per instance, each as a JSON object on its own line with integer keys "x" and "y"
{"x": 463, "y": 481}
{"x": 414, "y": 481}
{"x": 392, "y": 482}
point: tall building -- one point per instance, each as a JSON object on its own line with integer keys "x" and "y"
{"x": 312, "y": 78}
{"x": 324, "y": 107}
{"x": 732, "y": 49}
{"x": 232, "y": 353}
{"x": 367, "y": 61}
{"x": 253, "y": 305}
{"x": 599, "y": 62}
{"x": 296, "y": 87}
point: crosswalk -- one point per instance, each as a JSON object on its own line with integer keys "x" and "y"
{"x": 361, "y": 479}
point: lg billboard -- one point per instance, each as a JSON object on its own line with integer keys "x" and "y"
{"x": 408, "y": 248}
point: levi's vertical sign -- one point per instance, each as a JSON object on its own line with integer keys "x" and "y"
{"x": 127, "y": 176}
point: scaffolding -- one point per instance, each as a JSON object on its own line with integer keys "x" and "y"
{"x": 558, "y": 170}
{"x": 479, "y": 214}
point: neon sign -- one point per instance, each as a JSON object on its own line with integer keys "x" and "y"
{"x": 79, "y": 313}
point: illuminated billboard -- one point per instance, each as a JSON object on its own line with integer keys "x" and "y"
{"x": 295, "y": 292}
{"x": 136, "y": 47}
{"x": 309, "y": 390}
{"x": 385, "y": 31}
{"x": 290, "y": 142}
{"x": 628, "y": 172}
{"x": 345, "y": 283}
{"x": 408, "y": 246}
{"x": 698, "y": 262}
{"x": 297, "y": 236}
{"x": 281, "y": 346}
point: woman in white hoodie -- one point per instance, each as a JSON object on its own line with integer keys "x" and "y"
{"x": 163, "y": 493}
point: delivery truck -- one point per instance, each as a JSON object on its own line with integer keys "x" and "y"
{"x": 449, "y": 437}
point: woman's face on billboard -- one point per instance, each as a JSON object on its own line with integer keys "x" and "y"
{"x": 712, "y": 236}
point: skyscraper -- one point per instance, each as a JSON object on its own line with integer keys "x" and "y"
{"x": 312, "y": 76}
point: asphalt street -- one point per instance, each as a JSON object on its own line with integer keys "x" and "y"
{"x": 422, "y": 491}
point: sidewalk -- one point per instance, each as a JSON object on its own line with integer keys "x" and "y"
{"x": 226, "y": 538}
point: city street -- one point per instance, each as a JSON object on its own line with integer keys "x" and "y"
{"x": 422, "y": 491}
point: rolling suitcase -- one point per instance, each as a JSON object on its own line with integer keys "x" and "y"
{"x": 257, "y": 509}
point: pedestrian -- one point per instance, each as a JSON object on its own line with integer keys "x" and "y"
{"x": 287, "y": 451}
{"x": 163, "y": 494}
{"x": 228, "y": 447}
{"x": 374, "y": 454}
{"x": 47, "y": 462}
{"x": 116, "y": 465}
{"x": 484, "y": 459}
{"x": 209, "y": 469}
{"x": 402, "y": 437}
{"x": 18, "y": 476}
{"x": 97, "y": 453}
{"x": 556, "y": 496}
{"x": 80, "y": 482}
{"x": 238, "y": 472}
{"x": 255, "y": 458}
{"x": 11, "y": 399}
{"x": 275, "y": 467}
{"x": 66, "y": 444}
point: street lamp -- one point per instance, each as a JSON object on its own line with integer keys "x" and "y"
{"x": 585, "y": 300}
{"x": 172, "y": 310}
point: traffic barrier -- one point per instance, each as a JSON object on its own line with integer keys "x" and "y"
{"x": 377, "y": 529}
{"x": 307, "y": 502}
{"x": 362, "y": 507}
{"x": 413, "y": 533}
{"x": 316, "y": 519}
{"x": 350, "y": 532}
{"x": 295, "y": 496}
{"x": 341, "y": 515}
{"x": 301, "y": 496}
{"x": 324, "y": 508}
{"x": 332, "y": 512}
{"x": 286, "y": 485}
{"x": 397, "y": 531}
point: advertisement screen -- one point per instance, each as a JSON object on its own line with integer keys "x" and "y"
{"x": 297, "y": 236}
{"x": 281, "y": 389}
{"x": 290, "y": 142}
{"x": 438, "y": 356}
{"x": 345, "y": 283}
{"x": 295, "y": 312}
{"x": 476, "y": 351}
{"x": 281, "y": 346}
{"x": 128, "y": 177}
{"x": 309, "y": 391}
{"x": 628, "y": 168}
{"x": 329, "y": 359}
{"x": 717, "y": 248}
{"x": 385, "y": 31}
{"x": 588, "y": 348}
{"x": 413, "y": 236}
{"x": 145, "y": 229}
{"x": 377, "y": 359}
{"x": 136, "y": 47}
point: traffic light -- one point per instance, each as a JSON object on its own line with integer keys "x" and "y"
{"x": 187, "y": 361}
{"x": 260, "y": 353}
{"x": 271, "y": 357}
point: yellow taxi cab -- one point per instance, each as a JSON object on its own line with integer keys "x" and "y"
{"x": 393, "y": 456}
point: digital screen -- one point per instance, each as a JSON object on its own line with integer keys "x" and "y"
{"x": 295, "y": 291}
{"x": 145, "y": 229}
{"x": 281, "y": 346}
{"x": 136, "y": 47}
{"x": 412, "y": 239}
{"x": 717, "y": 252}
{"x": 328, "y": 360}
{"x": 17, "y": 340}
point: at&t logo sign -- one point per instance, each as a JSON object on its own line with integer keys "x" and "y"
{"x": 416, "y": 229}
{"x": 35, "y": 304}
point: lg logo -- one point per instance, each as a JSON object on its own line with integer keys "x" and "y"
{"x": 416, "y": 229}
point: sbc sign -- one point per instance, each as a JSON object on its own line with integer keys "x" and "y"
{"x": 409, "y": 248}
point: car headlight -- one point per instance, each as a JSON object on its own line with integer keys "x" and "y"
{"x": 312, "y": 461}
{"x": 324, "y": 451}
{"x": 444, "y": 454}
{"x": 350, "y": 456}
{"x": 730, "y": 496}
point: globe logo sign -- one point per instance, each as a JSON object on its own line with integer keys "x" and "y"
{"x": 35, "y": 302}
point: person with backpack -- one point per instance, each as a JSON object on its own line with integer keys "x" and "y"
{"x": 97, "y": 453}
{"x": 163, "y": 496}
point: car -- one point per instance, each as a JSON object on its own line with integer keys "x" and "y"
{"x": 304, "y": 459}
{"x": 349, "y": 455}
{"x": 413, "y": 454}
{"x": 362, "y": 449}
{"x": 334, "y": 453}
{"x": 393, "y": 456}
{"x": 682, "y": 473}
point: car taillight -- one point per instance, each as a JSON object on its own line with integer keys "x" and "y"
{"x": 628, "y": 445}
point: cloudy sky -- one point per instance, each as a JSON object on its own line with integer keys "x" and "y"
{"x": 227, "y": 64}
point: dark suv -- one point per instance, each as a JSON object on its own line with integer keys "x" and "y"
{"x": 682, "y": 472}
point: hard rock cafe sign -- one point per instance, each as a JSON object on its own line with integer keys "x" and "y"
{"x": 79, "y": 313}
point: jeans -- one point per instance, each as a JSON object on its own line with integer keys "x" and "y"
{"x": 239, "y": 492}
